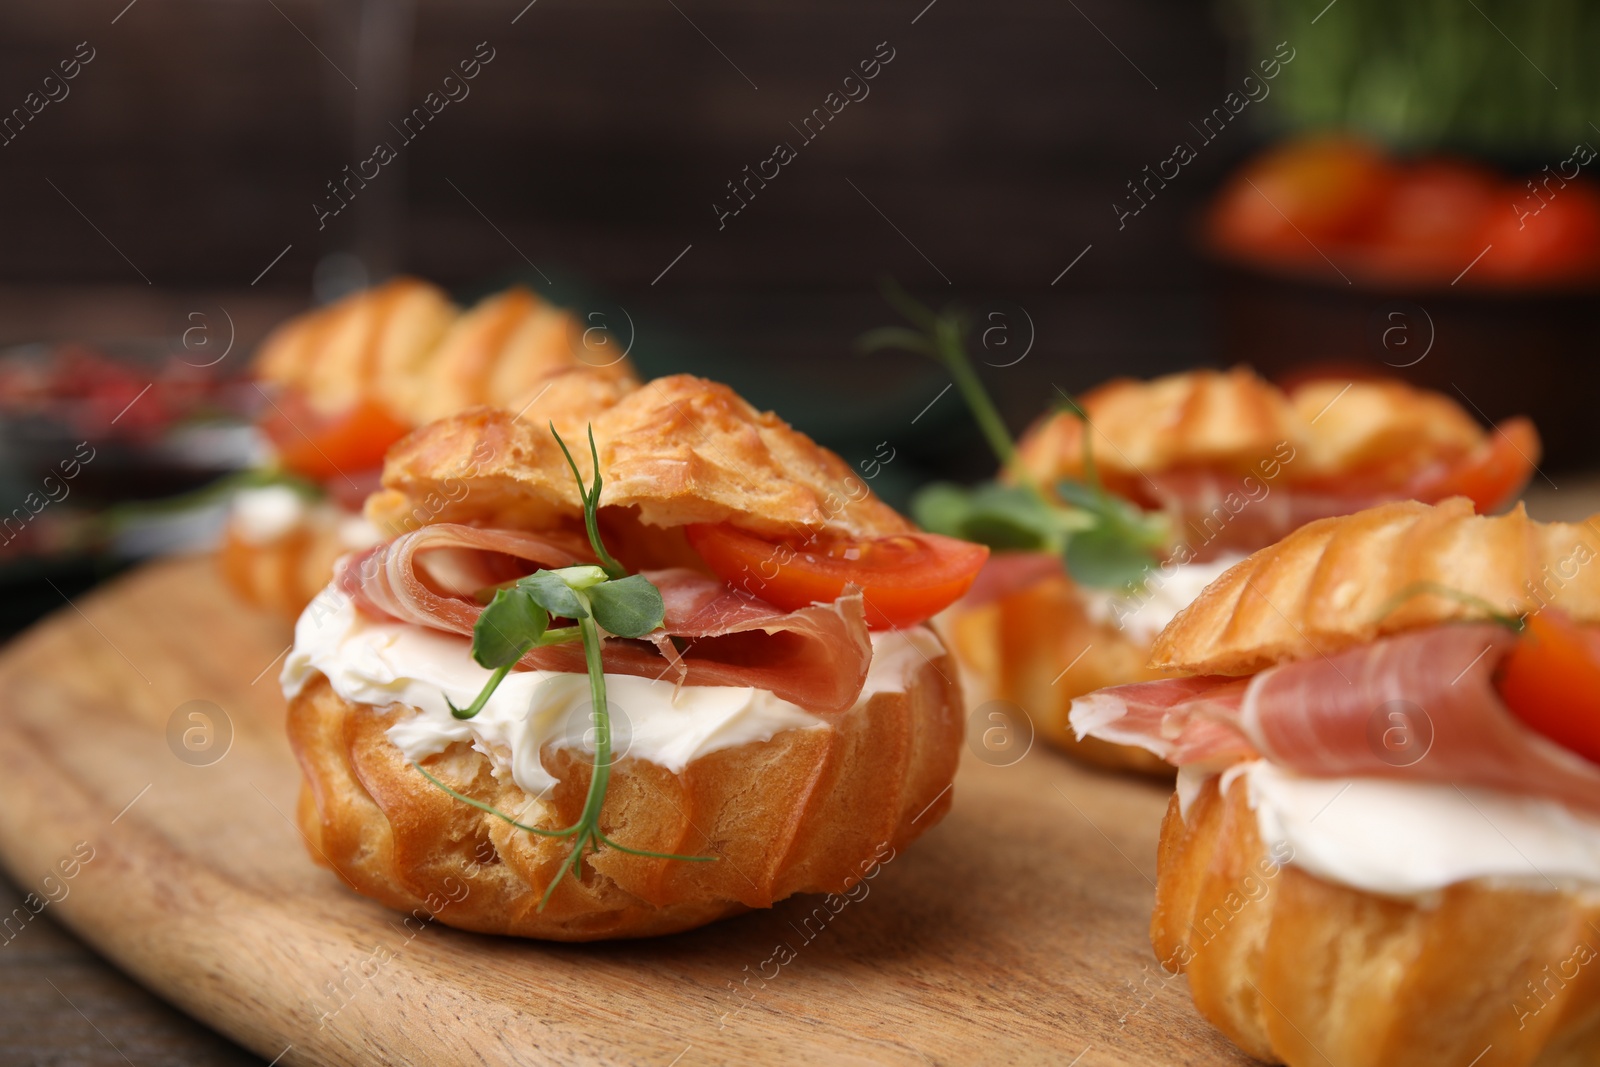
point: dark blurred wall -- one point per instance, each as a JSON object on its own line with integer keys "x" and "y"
{"x": 596, "y": 141}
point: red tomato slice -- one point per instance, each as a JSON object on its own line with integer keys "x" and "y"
{"x": 1551, "y": 681}
{"x": 321, "y": 447}
{"x": 1301, "y": 194}
{"x": 1430, "y": 225}
{"x": 904, "y": 579}
{"x": 1493, "y": 474}
{"x": 1536, "y": 242}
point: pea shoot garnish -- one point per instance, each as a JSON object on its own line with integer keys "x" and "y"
{"x": 1106, "y": 541}
{"x": 592, "y": 602}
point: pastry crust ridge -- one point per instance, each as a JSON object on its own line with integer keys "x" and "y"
{"x": 1233, "y": 420}
{"x": 1340, "y": 582}
{"x": 677, "y": 450}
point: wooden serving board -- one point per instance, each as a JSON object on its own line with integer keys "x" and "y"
{"x": 1014, "y": 932}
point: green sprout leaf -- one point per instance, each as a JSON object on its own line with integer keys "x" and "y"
{"x": 627, "y": 607}
{"x": 1104, "y": 558}
{"x": 942, "y": 508}
{"x": 1148, "y": 528}
{"x": 557, "y": 591}
{"x": 517, "y": 620}
{"x": 1079, "y": 495}
{"x": 1004, "y": 517}
{"x": 1017, "y": 516}
{"x": 510, "y": 626}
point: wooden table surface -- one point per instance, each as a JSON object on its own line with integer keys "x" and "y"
{"x": 1014, "y": 932}
{"x": 65, "y": 1004}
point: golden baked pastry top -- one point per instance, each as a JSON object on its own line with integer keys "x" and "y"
{"x": 677, "y": 450}
{"x": 406, "y": 345}
{"x": 1232, "y": 420}
{"x": 1345, "y": 581}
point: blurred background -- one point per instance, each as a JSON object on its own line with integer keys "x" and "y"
{"x": 1111, "y": 189}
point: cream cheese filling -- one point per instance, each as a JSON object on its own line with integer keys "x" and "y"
{"x": 263, "y": 514}
{"x": 380, "y": 663}
{"x": 1410, "y": 839}
{"x": 1144, "y": 614}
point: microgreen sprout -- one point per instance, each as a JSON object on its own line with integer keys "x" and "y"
{"x": 1105, "y": 541}
{"x": 596, "y": 601}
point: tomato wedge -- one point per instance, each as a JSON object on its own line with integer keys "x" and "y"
{"x": 1301, "y": 194}
{"x": 904, "y": 579}
{"x": 1551, "y": 681}
{"x": 1492, "y": 474}
{"x": 321, "y": 447}
{"x": 1558, "y": 242}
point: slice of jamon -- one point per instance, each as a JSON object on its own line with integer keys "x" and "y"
{"x": 816, "y": 657}
{"x": 1420, "y": 705}
{"x": 1182, "y": 720}
{"x": 1216, "y": 511}
{"x": 429, "y": 576}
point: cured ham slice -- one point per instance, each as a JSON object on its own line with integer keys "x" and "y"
{"x": 1217, "y": 511}
{"x": 1329, "y": 717}
{"x": 428, "y": 577}
{"x": 1183, "y": 720}
{"x": 816, "y": 657}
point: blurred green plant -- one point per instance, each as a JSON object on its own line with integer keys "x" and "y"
{"x": 1478, "y": 75}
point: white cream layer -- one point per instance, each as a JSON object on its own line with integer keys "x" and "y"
{"x": 1167, "y": 591}
{"x": 265, "y": 513}
{"x": 1409, "y": 839}
{"x": 381, "y": 663}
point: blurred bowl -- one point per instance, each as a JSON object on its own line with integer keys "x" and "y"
{"x": 1497, "y": 353}
{"x": 119, "y": 420}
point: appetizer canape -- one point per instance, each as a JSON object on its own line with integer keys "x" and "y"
{"x": 1233, "y": 463}
{"x": 1385, "y": 843}
{"x": 345, "y": 382}
{"x": 677, "y": 672}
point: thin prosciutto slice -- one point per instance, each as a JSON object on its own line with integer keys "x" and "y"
{"x": 428, "y": 577}
{"x": 816, "y": 657}
{"x": 1217, "y": 511}
{"x": 1326, "y": 717}
{"x": 1182, "y": 720}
